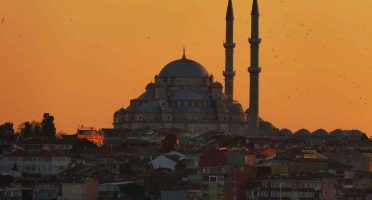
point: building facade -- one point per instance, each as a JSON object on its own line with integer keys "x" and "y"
{"x": 43, "y": 163}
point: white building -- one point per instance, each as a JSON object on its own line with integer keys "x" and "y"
{"x": 164, "y": 162}
{"x": 43, "y": 163}
{"x": 53, "y": 144}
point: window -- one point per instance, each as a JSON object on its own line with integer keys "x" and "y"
{"x": 264, "y": 194}
{"x": 212, "y": 179}
{"x": 273, "y": 194}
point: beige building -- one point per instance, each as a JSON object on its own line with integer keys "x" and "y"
{"x": 86, "y": 190}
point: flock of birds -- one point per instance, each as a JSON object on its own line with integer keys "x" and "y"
{"x": 307, "y": 31}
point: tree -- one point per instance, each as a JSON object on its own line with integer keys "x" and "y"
{"x": 7, "y": 131}
{"x": 48, "y": 128}
{"x": 29, "y": 130}
{"x": 34, "y": 129}
{"x": 26, "y": 130}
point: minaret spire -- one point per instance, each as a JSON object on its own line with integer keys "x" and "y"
{"x": 230, "y": 11}
{"x": 254, "y": 69}
{"x": 229, "y": 45}
{"x": 184, "y": 53}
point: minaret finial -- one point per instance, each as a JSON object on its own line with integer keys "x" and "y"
{"x": 184, "y": 53}
{"x": 230, "y": 11}
{"x": 255, "y": 8}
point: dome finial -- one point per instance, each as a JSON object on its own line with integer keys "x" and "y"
{"x": 184, "y": 53}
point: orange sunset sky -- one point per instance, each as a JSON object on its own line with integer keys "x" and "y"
{"x": 80, "y": 60}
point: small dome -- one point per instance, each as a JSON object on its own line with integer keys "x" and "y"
{"x": 121, "y": 111}
{"x": 149, "y": 86}
{"x": 183, "y": 68}
{"x": 235, "y": 107}
{"x": 302, "y": 132}
{"x": 337, "y": 132}
{"x": 320, "y": 132}
{"x": 285, "y": 132}
{"x": 354, "y": 132}
{"x": 266, "y": 124}
{"x": 150, "y": 107}
{"x": 217, "y": 85}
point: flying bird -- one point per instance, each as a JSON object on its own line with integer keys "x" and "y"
{"x": 3, "y": 20}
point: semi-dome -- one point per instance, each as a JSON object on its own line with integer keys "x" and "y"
{"x": 148, "y": 95}
{"x": 183, "y": 68}
{"x": 150, "y": 107}
{"x": 217, "y": 85}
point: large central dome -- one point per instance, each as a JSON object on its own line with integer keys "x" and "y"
{"x": 183, "y": 68}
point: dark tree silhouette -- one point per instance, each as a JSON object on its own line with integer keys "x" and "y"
{"x": 48, "y": 128}
{"x": 7, "y": 132}
{"x": 29, "y": 130}
{"x": 36, "y": 129}
{"x": 26, "y": 130}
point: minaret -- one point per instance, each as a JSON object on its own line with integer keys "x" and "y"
{"x": 254, "y": 70}
{"x": 229, "y": 45}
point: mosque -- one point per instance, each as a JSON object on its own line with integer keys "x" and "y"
{"x": 185, "y": 96}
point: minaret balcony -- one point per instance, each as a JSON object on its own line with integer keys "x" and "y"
{"x": 254, "y": 70}
{"x": 255, "y": 41}
{"x": 229, "y": 45}
{"x": 229, "y": 73}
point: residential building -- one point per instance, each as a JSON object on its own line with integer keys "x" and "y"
{"x": 43, "y": 163}
{"x": 80, "y": 190}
